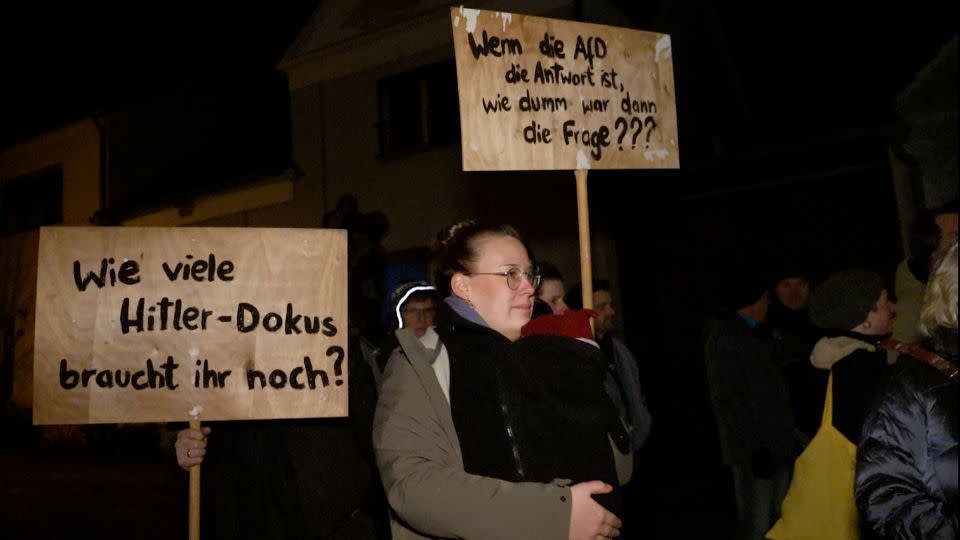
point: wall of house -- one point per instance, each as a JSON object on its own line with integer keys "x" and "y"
{"x": 336, "y": 148}
{"x": 422, "y": 192}
{"x": 75, "y": 149}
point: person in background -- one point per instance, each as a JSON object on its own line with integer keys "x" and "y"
{"x": 623, "y": 375}
{"x": 750, "y": 400}
{"x": 912, "y": 274}
{"x": 788, "y": 320}
{"x": 415, "y": 306}
{"x": 279, "y": 479}
{"x": 551, "y": 289}
{"x": 853, "y": 309}
{"x": 622, "y": 384}
{"x": 790, "y": 303}
{"x": 946, "y": 218}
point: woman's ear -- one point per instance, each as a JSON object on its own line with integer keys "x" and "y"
{"x": 460, "y": 286}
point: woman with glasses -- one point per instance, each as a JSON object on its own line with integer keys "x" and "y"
{"x": 470, "y": 434}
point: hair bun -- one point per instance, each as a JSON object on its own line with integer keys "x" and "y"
{"x": 450, "y": 233}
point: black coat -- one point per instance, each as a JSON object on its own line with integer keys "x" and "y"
{"x": 750, "y": 399}
{"x": 531, "y": 410}
{"x": 857, "y": 380}
{"x": 805, "y": 383}
{"x": 906, "y": 483}
{"x": 309, "y": 478}
{"x": 859, "y": 367}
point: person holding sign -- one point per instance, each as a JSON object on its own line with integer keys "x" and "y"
{"x": 482, "y": 463}
{"x": 303, "y": 478}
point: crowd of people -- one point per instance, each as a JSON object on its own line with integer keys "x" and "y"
{"x": 827, "y": 428}
{"x": 498, "y": 407}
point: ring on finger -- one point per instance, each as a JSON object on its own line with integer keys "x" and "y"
{"x": 188, "y": 452}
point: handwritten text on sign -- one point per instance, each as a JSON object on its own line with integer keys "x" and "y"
{"x": 149, "y": 324}
{"x": 541, "y": 93}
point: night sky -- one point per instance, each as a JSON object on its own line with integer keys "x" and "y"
{"x": 62, "y": 62}
{"x": 794, "y": 70}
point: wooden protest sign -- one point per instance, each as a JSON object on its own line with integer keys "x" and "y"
{"x": 539, "y": 94}
{"x": 151, "y": 324}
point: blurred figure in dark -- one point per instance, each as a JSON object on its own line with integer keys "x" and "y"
{"x": 304, "y": 478}
{"x": 622, "y": 384}
{"x": 946, "y": 218}
{"x": 911, "y": 276}
{"x": 366, "y": 261}
{"x": 750, "y": 400}
{"x": 550, "y": 291}
{"x": 623, "y": 376}
{"x": 788, "y": 320}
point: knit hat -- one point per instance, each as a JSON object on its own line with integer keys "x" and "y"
{"x": 786, "y": 269}
{"x": 846, "y": 297}
{"x": 741, "y": 289}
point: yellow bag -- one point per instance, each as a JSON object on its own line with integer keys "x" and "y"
{"x": 820, "y": 504}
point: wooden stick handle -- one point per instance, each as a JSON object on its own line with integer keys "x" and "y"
{"x": 583, "y": 217}
{"x": 195, "y": 494}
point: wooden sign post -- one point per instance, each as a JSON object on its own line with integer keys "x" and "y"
{"x": 193, "y": 527}
{"x": 167, "y": 325}
{"x": 583, "y": 220}
{"x": 547, "y": 94}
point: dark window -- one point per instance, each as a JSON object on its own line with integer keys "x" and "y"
{"x": 419, "y": 109}
{"x": 31, "y": 201}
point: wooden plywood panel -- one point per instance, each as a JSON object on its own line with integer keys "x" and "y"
{"x": 539, "y": 93}
{"x": 172, "y": 310}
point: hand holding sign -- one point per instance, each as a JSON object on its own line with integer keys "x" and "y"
{"x": 191, "y": 446}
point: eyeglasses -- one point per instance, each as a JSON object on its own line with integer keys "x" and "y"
{"x": 419, "y": 312}
{"x": 514, "y": 276}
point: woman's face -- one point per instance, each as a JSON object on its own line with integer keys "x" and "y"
{"x": 504, "y": 309}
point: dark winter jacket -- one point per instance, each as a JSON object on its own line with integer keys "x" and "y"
{"x": 310, "y": 478}
{"x": 859, "y": 368}
{"x": 622, "y": 384}
{"x": 749, "y": 395}
{"x": 805, "y": 382}
{"x": 906, "y": 486}
{"x": 530, "y": 410}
